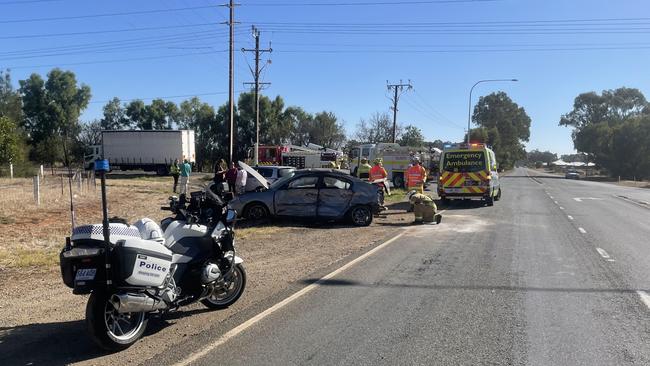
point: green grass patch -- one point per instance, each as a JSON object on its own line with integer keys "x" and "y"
{"x": 396, "y": 195}
{"x": 22, "y": 258}
{"x": 6, "y": 220}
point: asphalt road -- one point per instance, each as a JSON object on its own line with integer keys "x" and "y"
{"x": 556, "y": 273}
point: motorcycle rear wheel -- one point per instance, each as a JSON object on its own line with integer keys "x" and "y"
{"x": 235, "y": 289}
{"x": 109, "y": 329}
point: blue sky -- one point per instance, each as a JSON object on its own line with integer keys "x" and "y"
{"x": 339, "y": 57}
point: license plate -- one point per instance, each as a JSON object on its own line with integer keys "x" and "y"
{"x": 469, "y": 183}
{"x": 85, "y": 274}
{"x": 453, "y": 190}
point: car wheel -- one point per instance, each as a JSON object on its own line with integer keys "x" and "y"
{"x": 498, "y": 196}
{"x": 361, "y": 216}
{"x": 256, "y": 211}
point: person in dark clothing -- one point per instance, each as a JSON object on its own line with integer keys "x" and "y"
{"x": 220, "y": 170}
{"x": 175, "y": 171}
{"x": 231, "y": 177}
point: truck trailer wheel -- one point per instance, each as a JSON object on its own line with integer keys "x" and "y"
{"x": 162, "y": 171}
{"x": 398, "y": 180}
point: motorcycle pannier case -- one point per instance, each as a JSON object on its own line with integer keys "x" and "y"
{"x": 142, "y": 262}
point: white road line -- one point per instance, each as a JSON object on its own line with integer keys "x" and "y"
{"x": 570, "y": 217}
{"x": 550, "y": 196}
{"x": 644, "y": 297}
{"x": 252, "y": 321}
{"x": 556, "y": 202}
{"x": 561, "y": 208}
{"x": 603, "y": 253}
{"x": 582, "y": 230}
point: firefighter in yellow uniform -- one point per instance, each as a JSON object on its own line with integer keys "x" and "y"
{"x": 424, "y": 208}
{"x": 363, "y": 171}
{"x": 416, "y": 175}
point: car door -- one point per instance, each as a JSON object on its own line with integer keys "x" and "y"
{"x": 299, "y": 197}
{"x": 334, "y": 196}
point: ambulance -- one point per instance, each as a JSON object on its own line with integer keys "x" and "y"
{"x": 469, "y": 171}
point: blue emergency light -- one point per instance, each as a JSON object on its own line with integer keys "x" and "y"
{"x": 101, "y": 165}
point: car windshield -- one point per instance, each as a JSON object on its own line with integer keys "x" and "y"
{"x": 283, "y": 180}
{"x": 286, "y": 172}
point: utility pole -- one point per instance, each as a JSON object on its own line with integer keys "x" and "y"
{"x": 256, "y": 84}
{"x": 231, "y": 79}
{"x": 399, "y": 90}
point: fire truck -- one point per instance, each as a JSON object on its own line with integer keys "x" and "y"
{"x": 396, "y": 159}
{"x": 301, "y": 157}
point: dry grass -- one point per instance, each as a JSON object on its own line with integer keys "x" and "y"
{"x": 32, "y": 235}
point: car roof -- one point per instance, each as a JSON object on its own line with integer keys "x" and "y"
{"x": 322, "y": 170}
{"x": 273, "y": 167}
{"x": 328, "y": 171}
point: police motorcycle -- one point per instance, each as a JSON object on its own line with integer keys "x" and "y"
{"x": 134, "y": 271}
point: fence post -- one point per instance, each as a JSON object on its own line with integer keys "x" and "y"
{"x": 62, "y": 194}
{"x": 79, "y": 182}
{"x": 37, "y": 191}
{"x": 11, "y": 170}
{"x": 42, "y": 173}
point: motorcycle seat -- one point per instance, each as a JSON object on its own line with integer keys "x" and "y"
{"x": 149, "y": 230}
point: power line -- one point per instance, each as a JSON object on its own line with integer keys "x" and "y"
{"x": 115, "y": 60}
{"x": 166, "y": 97}
{"x": 88, "y": 16}
{"x": 370, "y": 3}
{"x": 47, "y": 35}
{"x": 138, "y": 43}
{"x": 25, "y": 2}
{"x": 425, "y": 114}
{"x": 491, "y": 22}
{"x": 426, "y": 105}
{"x": 504, "y": 50}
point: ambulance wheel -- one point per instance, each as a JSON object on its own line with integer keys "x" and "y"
{"x": 489, "y": 201}
{"x": 444, "y": 200}
{"x": 498, "y": 196}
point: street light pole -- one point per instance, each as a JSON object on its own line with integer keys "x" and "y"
{"x": 469, "y": 108}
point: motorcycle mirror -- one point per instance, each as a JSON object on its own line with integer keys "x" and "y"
{"x": 231, "y": 215}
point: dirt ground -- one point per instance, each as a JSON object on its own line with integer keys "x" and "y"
{"x": 38, "y": 312}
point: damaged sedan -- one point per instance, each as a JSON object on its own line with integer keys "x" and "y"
{"x": 321, "y": 194}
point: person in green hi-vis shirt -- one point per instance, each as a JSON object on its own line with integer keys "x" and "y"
{"x": 175, "y": 171}
{"x": 186, "y": 169}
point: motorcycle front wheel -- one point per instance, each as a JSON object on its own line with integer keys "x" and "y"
{"x": 109, "y": 329}
{"x": 223, "y": 298}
